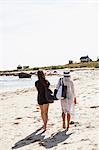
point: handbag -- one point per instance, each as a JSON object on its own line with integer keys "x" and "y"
{"x": 62, "y": 91}
{"x": 49, "y": 95}
{"x": 59, "y": 93}
{"x": 55, "y": 92}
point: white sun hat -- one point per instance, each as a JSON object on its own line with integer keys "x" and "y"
{"x": 66, "y": 73}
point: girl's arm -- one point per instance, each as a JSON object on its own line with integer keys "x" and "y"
{"x": 73, "y": 92}
{"x": 75, "y": 101}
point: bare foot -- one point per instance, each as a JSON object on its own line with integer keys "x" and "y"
{"x": 64, "y": 126}
{"x": 67, "y": 127}
{"x": 44, "y": 127}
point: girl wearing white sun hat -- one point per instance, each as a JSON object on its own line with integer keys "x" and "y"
{"x": 68, "y": 96}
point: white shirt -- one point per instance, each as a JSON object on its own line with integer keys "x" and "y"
{"x": 70, "y": 94}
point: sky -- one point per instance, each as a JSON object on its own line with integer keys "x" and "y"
{"x": 47, "y": 32}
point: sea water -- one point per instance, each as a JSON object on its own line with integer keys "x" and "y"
{"x": 11, "y": 83}
{"x": 84, "y": 79}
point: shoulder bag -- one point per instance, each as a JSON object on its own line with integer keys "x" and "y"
{"x": 62, "y": 91}
{"x": 49, "y": 95}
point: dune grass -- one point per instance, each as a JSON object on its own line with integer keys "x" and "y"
{"x": 93, "y": 64}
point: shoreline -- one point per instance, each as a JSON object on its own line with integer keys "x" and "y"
{"x": 47, "y": 72}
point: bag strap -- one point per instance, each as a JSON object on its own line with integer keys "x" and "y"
{"x": 61, "y": 81}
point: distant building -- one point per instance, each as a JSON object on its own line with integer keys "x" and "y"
{"x": 85, "y": 59}
{"x": 70, "y": 61}
{"x": 19, "y": 67}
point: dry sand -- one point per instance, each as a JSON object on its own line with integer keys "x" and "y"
{"x": 20, "y": 123}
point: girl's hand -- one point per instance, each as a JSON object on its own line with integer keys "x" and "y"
{"x": 75, "y": 101}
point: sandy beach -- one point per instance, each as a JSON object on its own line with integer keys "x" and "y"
{"x": 21, "y": 125}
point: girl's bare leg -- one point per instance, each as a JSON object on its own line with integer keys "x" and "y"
{"x": 63, "y": 118}
{"x": 68, "y": 120}
{"x": 44, "y": 113}
{"x": 41, "y": 108}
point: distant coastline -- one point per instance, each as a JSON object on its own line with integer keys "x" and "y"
{"x": 85, "y": 65}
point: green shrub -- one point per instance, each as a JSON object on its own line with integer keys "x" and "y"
{"x": 36, "y": 68}
{"x": 97, "y": 66}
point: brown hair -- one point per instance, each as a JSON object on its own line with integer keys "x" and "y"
{"x": 41, "y": 75}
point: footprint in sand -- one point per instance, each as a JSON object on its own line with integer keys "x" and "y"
{"x": 16, "y": 123}
{"x": 18, "y": 118}
{"x": 26, "y": 107}
{"x": 89, "y": 126}
{"x": 94, "y": 106}
{"x": 37, "y": 108}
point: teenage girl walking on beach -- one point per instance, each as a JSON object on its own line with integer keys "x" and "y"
{"x": 40, "y": 84}
{"x": 69, "y": 100}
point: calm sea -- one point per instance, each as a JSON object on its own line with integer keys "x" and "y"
{"x": 11, "y": 83}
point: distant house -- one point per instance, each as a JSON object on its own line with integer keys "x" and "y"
{"x": 70, "y": 61}
{"x": 85, "y": 59}
{"x": 19, "y": 67}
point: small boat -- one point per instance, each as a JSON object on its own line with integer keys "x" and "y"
{"x": 24, "y": 75}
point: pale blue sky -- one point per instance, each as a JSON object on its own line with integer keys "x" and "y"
{"x": 47, "y": 32}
